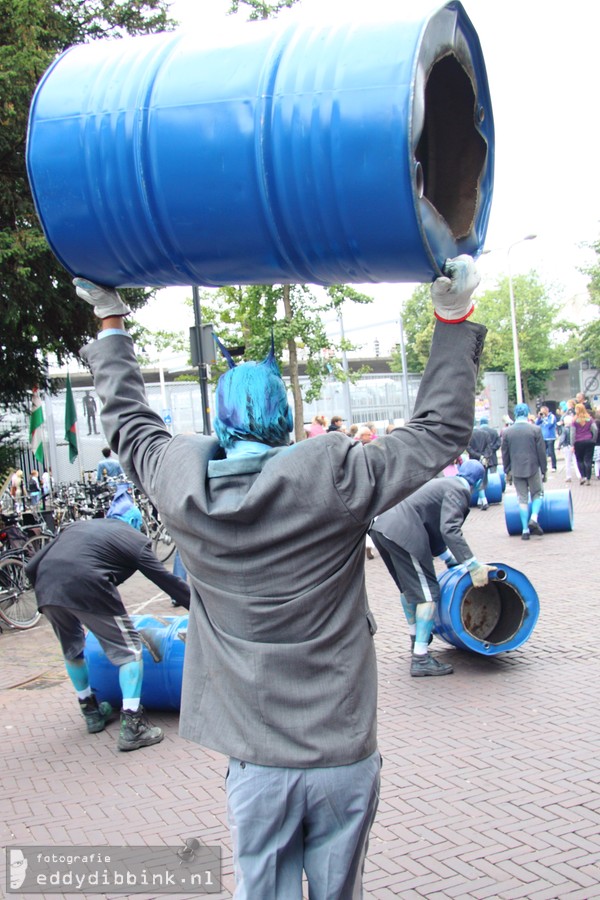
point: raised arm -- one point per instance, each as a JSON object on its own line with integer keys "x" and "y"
{"x": 134, "y": 431}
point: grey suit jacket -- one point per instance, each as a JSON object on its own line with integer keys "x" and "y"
{"x": 523, "y": 450}
{"x": 81, "y": 568}
{"x": 430, "y": 520}
{"x": 280, "y": 662}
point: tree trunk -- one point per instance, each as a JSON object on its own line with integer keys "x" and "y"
{"x": 299, "y": 432}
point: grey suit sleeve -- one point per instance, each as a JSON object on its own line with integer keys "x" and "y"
{"x": 134, "y": 431}
{"x": 150, "y": 566}
{"x": 452, "y": 517}
{"x": 541, "y": 452}
{"x": 373, "y": 478}
{"x": 505, "y": 449}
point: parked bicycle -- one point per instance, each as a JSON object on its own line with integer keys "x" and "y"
{"x": 26, "y": 533}
{"x": 18, "y": 606}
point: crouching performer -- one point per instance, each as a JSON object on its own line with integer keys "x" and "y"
{"x": 408, "y": 536}
{"x": 280, "y": 671}
{"x": 75, "y": 579}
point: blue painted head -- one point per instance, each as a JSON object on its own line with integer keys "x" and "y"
{"x": 521, "y": 411}
{"x": 251, "y": 403}
{"x": 483, "y": 420}
{"x": 472, "y": 471}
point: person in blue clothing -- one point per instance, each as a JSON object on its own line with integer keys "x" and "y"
{"x": 547, "y": 422}
{"x": 108, "y": 467}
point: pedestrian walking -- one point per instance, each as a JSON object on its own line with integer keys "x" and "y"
{"x": 564, "y": 444}
{"x": 525, "y": 462}
{"x": 547, "y": 422}
{"x": 583, "y": 437}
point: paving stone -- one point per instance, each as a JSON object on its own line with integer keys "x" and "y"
{"x": 490, "y": 776}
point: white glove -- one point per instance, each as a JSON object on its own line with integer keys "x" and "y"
{"x": 451, "y": 292}
{"x": 480, "y": 574}
{"x": 106, "y": 301}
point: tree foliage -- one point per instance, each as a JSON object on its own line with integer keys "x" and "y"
{"x": 259, "y": 9}
{"x": 545, "y": 341}
{"x": 541, "y": 333}
{"x": 245, "y": 318}
{"x": 590, "y": 334}
{"x": 418, "y": 321}
{"x": 39, "y": 315}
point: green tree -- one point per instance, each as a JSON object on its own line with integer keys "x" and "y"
{"x": 38, "y": 310}
{"x": 590, "y": 334}
{"x": 418, "y": 321}
{"x": 541, "y": 334}
{"x": 9, "y": 440}
{"x": 245, "y": 317}
{"x": 260, "y": 9}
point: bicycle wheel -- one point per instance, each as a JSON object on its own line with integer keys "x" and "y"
{"x": 35, "y": 543}
{"x": 18, "y": 605}
{"x": 163, "y": 544}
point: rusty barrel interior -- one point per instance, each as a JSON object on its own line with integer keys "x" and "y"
{"x": 451, "y": 152}
{"x": 494, "y": 613}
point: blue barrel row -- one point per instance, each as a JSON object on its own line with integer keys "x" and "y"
{"x": 487, "y": 621}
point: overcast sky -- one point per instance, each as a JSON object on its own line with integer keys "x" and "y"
{"x": 542, "y": 64}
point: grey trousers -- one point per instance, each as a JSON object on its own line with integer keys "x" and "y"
{"x": 284, "y": 821}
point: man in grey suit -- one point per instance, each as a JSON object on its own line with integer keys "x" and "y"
{"x": 525, "y": 464}
{"x": 280, "y": 672}
{"x": 409, "y": 535}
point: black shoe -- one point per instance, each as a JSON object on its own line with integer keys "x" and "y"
{"x": 136, "y": 731}
{"x": 370, "y": 554}
{"x": 428, "y": 665}
{"x": 96, "y": 715}
{"x": 525, "y": 536}
{"x": 535, "y": 527}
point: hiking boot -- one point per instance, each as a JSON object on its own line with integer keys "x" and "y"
{"x": 96, "y": 715}
{"x": 136, "y": 731}
{"x": 535, "y": 527}
{"x": 428, "y": 665}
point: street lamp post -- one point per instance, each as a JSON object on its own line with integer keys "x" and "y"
{"x": 513, "y": 318}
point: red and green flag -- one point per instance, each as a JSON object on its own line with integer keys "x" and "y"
{"x": 71, "y": 422}
{"x": 36, "y": 420}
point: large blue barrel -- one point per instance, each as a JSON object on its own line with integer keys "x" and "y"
{"x": 163, "y": 640}
{"x": 487, "y": 620}
{"x": 267, "y": 153}
{"x": 493, "y": 490}
{"x": 556, "y": 512}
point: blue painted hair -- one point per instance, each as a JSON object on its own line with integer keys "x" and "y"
{"x": 483, "y": 420}
{"x": 251, "y": 404}
{"x": 472, "y": 471}
{"x": 521, "y": 411}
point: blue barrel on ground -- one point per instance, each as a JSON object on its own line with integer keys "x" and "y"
{"x": 163, "y": 639}
{"x": 268, "y": 152}
{"x": 493, "y": 490}
{"x": 556, "y": 513}
{"x": 500, "y": 471}
{"x": 487, "y": 620}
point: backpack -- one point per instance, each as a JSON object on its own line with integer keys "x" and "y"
{"x": 123, "y": 507}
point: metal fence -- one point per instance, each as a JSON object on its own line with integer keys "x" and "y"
{"x": 374, "y": 398}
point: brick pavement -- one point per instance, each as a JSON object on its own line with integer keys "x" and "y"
{"x": 491, "y": 778}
